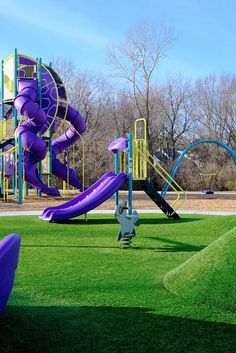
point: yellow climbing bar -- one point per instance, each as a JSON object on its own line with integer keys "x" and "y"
{"x": 168, "y": 179}
{"x": 140, "y": 150}
{"x": 142, "y": 158}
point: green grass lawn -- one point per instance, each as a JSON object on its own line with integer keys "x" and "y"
{"x": 209, "y": 275}
{"x": 77, "y": 291}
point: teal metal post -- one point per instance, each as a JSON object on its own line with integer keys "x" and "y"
{"x": 19, "y": 167}
{"x": 20, "y": 172}
{"x": 2, "y": 111}
{"x": 50, "y": 157}
{"x": 130, "y": 173}
{"x": 15, "y": 116}
{"x": 15, "y": 88}
{"x": 116, "y": 171}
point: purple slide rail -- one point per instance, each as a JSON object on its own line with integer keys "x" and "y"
{"x": 9, "y": 254}
{"x": 34, "y": 147}
{"x": 94, "y": 196}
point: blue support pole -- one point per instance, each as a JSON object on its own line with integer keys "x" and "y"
{"x": 130, "y": 173}
{"x": 116, "y": 171}
{"x": 15, "y": 88}
{"x": 15, "y": 116}
{"x": 50, "y": 158}
{"x": 19, "y": 166}
{"x": 20, "y": 172}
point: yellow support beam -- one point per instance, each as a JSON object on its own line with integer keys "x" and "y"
{"x": 142, "y": 158}
{"x": 140, "y": 150}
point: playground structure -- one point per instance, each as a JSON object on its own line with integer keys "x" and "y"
{"x": 228, "y": 149}
{"x": 131, "y": 161}
{"x": 35, "y": 112}
{"x": 34, "y": 107}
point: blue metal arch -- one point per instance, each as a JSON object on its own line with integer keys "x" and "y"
{"x": 187, "y": 149}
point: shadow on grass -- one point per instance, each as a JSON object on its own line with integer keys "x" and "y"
{"x": 145, "y": 220}
{"x": 81, "y": 221}
{"x": 102, "y": 247}
{"x": 176, "y": 246}
{"x": 109, "y": 329}
{"x": 166, "y": 220}
{"x": 69, "y": 246}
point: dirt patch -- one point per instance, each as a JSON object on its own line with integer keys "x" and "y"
{"x": 222, "y": 202}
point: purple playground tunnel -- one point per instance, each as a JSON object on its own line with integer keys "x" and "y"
{"x": 34, "y": 146}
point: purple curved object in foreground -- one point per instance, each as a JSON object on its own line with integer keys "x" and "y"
{"x": 94, "y": 196}
{"x": 9, "y": 254}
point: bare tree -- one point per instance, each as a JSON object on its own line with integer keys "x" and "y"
{"x": 175, "y": 110}
{"x": 121, "y": 112}
{"x": 135, "y": 62}
{"x": 86, "y": 91}
{"x": 215, "y": 98}
{"x": 89, "y": 94}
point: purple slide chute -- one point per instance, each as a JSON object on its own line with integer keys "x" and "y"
{"x": 34, "y": 147}
{"x": 9, "y": 254}
{"x": 63, "y": 142}
{"x": 94, "y": 196}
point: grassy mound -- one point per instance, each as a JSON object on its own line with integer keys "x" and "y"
{"x": 208, "y": 276}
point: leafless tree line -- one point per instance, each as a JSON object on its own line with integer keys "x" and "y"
{"x": 178, "y": 111}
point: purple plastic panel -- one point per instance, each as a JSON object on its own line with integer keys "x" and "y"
{"x": 119, "y": 144}
{"x": 9, "y": 254}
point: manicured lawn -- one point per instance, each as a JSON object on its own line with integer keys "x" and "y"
{"x": 77, "y": 291}
{"x": 209, "y": 275}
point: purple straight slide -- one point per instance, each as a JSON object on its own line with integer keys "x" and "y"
{"x": 94, "y": 196}
{"x": 9, "y": 254}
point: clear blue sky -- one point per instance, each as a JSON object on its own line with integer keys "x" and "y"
{"x": 205, "y": 31}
